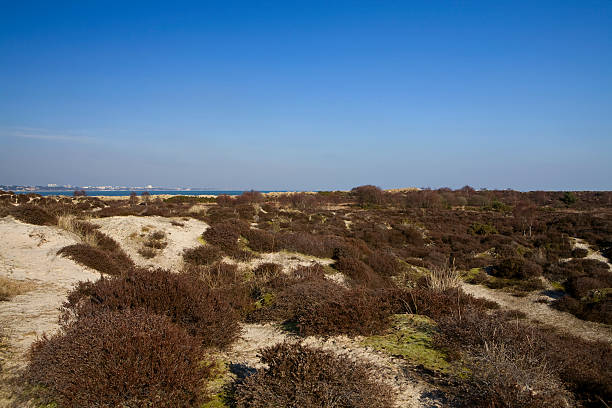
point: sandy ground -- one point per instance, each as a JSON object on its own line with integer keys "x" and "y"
{"x": 28, "y": 253}
{"x": 127, "y": 232}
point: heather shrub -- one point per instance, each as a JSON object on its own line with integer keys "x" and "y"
{"x": 301, "y": 376}
{"x": 202, "y": 255}
{"x": 147, "y": 253}
{"x": 360, "y": 273}
{"x": 434, "y": 303}
{"x": 184, "y": 298}
{"x": 32, "y": 214}
{"x": 368, "y": 195}
{"x": 112, "y": 263}
{"x": 267, "y": 271}
{"x": 579, "y": 253}
{"x": 225, "y": 234}
{"x": 260, "y": 240}
{"x": 516, "y": 268}
{"x": 583, "y": 367}
{"x": 384, "y": 263}
{"x": 322, "y": 307}
{"x": 249, "y": 197}
{"x": 121, "y": 358}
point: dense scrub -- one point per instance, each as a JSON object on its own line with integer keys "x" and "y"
{"x": 300, "y": 376}
{"x": 125, "y": 358}
{"x": 186, "y": 300}
{"x": 387, "y": 254}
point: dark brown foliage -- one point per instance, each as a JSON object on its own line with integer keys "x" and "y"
{"x": 516, "y": 268}
{"x": 360, "y": 273}
{"x": 368, "y": 195}
{"x": 202, "y": 255}
{"x": 121, "y": 358}
{"x": 225, "y": 234}
{"x": 583, "y": 367}
{"x": 32, "y": 214}
{"x": 183, "y": 297}
{"x": 261, "y": 240}
{"x": 300, "y": 376}
{"x": 316, "y": 306}
{"x": 110, "y": 262}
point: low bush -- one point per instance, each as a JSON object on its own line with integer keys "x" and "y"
{"x": 584, "y": 367}
{"x": 316, "y": 306}
{"x": 225, "y": 234}
{"x": 112, "y": 263}
{"x": 301, "y": 376}
{"x": 32, "y": 214}
{"x": 360, "y": 273}
{"x": 516, "y": 268}
{"x": 261, "y": 240}
{"x": 121, "y": 358}
{"x": 202, "y": 255}
{"x": 384, "y": 263}
{"x": 183, "y": 297}
{"x": 579, "y": 253}
{"x": 147, "y": 253}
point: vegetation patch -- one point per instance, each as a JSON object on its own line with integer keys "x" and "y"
{"x": 411, "y": 337}
{"x": 9, "y": 288}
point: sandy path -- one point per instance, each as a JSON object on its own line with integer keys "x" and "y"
{"x": 543, "y": 313}
{"x": 126, "y": 231}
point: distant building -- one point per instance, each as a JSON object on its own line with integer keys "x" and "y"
{"x": 51, "y": 185}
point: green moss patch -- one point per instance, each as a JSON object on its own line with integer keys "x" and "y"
{"x": 411, "y": 337}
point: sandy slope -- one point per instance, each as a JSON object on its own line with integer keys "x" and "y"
{"x": 28, "y": 253}
{"x": 127, "y": 230}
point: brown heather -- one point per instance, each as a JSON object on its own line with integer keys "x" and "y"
{"x": 127, "y": 358}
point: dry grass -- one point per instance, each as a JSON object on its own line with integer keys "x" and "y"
{"x": 441, "y": 278}
{"x": 9, "y": 288}
{"x": 80, "y": 227}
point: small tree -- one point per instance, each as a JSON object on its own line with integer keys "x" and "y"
{"x": 368, "y": 194}
{"x": 569, "y": 198}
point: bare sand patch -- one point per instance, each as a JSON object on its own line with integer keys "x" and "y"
{"x": 127, "y": 231}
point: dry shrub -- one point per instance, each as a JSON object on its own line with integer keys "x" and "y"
{"x": 9, "y": 288}
{"x": 202, "y": 255}
{"x": 32, "y": 214}
{"x": 384, "y": 263}
{"x": 260, "y": 240}
{"x": 249, "y": 197}
{"x": 322, "y": 307}
{"x": 121, "y": 358}
{"x": 183, "y": 297}
{"x": 579, "y": 253}
{"x": 225, "y": 234}
{"x": 442, "y": 278}
{"x": 360, "y": 273}
{"x": 103, "y": 261}
{"x": 147, "y": 253}
{"x": 301, "y": 376}
{"x": 516, "y": 268}
{"x": 506, "y": 377}
{"x": 368, "y": 195}
{"x": 228, "y": 283}
{"x": 266, "y": 271}
{"x": 434, "y": 303}
{"x": 584, "y": 367}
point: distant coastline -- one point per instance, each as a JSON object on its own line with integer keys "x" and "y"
{"x": 113, "y": 193}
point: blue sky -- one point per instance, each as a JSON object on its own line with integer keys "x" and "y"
{"x": 307, "y": 94}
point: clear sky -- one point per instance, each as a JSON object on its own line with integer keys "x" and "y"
{"x": 307, "y": 94}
